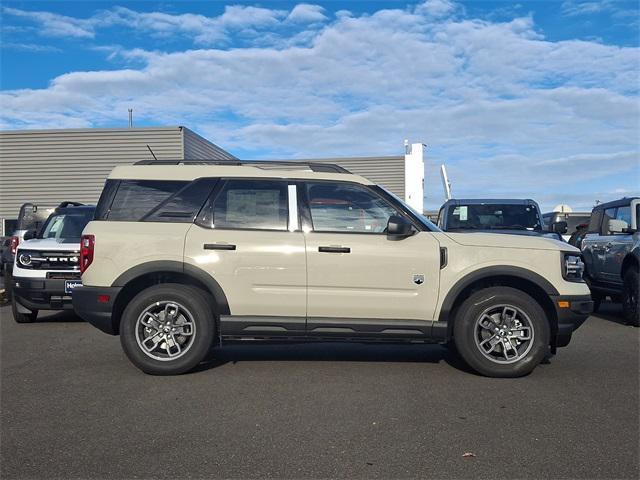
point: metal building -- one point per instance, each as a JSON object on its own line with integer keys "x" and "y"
{"x": 401, "y": 174}
{"x": 48, "y": 166}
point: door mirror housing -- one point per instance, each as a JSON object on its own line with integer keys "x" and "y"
{"x": 559, "y": 227}
{"x": 398, "y": 228}
{"x": 29, "y": 234}
{"x": 617, "y": 226}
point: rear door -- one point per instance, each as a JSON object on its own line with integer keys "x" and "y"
{"x": 248, "y": 239}
{"x": 360, "y": 282}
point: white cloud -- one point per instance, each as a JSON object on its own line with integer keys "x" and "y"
{"x": 307, "y": 13}
{"x": 574, "y": 8}
{"x": 55, "y": 25}
{"x": 437, "y": 8}
{"x": 506, "y": 109}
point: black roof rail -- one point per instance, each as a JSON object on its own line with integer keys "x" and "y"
{"x": 313, "y": 166}
{"x": 70, "y": 204}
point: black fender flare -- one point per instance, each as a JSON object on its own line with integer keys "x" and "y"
{"x": 491, "y": 272}
{"x": 196, "y": 273}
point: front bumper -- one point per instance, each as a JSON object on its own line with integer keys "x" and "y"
{"x": 571, "y": 312}
{"x": 95, "y": 305}
{"x": 42, "y": 293}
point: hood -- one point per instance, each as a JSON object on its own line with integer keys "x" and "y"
{"x": 528, "y": 233}
{"x": 63, "y": 244}
{"x": 529, "y": 242}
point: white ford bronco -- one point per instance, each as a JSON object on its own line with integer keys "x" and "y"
{"x": 182, "y": 256}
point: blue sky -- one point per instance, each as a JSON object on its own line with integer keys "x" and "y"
{"x": 535, "y": 99}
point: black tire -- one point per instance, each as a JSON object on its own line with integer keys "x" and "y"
{"x": 8, "y": 283}
{"x": 195, "y": 301}
{"x": 597, "y": 301}
{"x": 22, "y": 317}
{"x": 631, "y": 297}
{"x": 465, "y": 332}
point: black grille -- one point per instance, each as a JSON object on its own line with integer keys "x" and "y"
{"x": 64, "y": 275}
{"x": 52, "y": 260}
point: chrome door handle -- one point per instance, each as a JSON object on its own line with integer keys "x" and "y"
{"x": 334, "y": 249}
{"x": 219, "y": 246}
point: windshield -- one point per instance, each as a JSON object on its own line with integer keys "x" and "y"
{"x": 426, "y": 222}
{"x": 493, "y": 217}
{"x": 66, "y": 225}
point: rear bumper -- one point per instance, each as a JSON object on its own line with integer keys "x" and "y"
{"x": 95, "y": 305}
{"x": 41, "y": 293}
{"x": 571, "y": 312}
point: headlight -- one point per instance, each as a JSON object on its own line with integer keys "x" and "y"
{"x": 24, "y": 259}
{"x": 572, "y": 267}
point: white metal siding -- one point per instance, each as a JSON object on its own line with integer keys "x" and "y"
{"x": 198, "y": 148}
{"x": 385, "y": 171}
{"x": 50, "y": 166}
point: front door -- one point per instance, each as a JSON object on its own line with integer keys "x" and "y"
{"x": 359, "y": 281}
{"x": 616, "y": 246}
{"x": 248, "y": 239}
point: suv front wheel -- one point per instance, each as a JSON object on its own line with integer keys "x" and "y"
{"x": 167, "y": 329}
{"x": 501, "y": 332}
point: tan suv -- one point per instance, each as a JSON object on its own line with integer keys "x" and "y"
{"x": 183, "y": 255}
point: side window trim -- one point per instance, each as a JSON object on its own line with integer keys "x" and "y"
{"x": 292, "y": 200}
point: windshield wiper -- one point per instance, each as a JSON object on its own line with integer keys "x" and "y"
{"x": 507, "y": 227}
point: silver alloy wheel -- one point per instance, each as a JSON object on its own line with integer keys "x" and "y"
{"x": 504, "y": 334}
{"x": 165, "y": 330}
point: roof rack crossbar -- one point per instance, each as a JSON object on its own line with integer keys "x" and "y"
{"x": 313, "y": 166}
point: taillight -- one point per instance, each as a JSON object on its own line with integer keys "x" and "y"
{"x": 15, "y": 241}
{"x": 87, "y": 243}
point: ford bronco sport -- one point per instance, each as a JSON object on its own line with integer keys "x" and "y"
{"x": 47, "y": 263}
{"x": 182, "y": 255}
{"x": 611, "y": 252}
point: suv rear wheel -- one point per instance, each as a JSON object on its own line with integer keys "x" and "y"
{"x": 501, "y": 332}
{"x": 631, "y": 297}
{"x": 167, "y": 329}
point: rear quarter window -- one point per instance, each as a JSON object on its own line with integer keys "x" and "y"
{"x": 153, "y": 200}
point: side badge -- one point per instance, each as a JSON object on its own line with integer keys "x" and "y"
{"x": 418, "y": 279}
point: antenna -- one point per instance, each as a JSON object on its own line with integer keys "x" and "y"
{"x": 131, "y": 118}
{"x": 154, "y": 155}
{"x": 446, "y": 184}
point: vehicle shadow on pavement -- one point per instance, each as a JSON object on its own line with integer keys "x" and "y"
{"x": 58, "y": 317}
{"x": 334, "y": 352}
{"x": 611, "y": 312}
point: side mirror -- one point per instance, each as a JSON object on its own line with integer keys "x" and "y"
{"x": 617, "y": 226}
{"x": 398, "y": 228}
{"x": 559, "y": 227}
{"x": 29, "y": 234}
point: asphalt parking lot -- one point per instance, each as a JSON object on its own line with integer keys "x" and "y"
{"x": 74, "y": 407}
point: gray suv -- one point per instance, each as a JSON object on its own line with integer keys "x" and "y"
{"x": 611, "y": 253}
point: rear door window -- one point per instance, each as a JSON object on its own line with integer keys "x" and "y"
{"x": 248, "y": 205}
